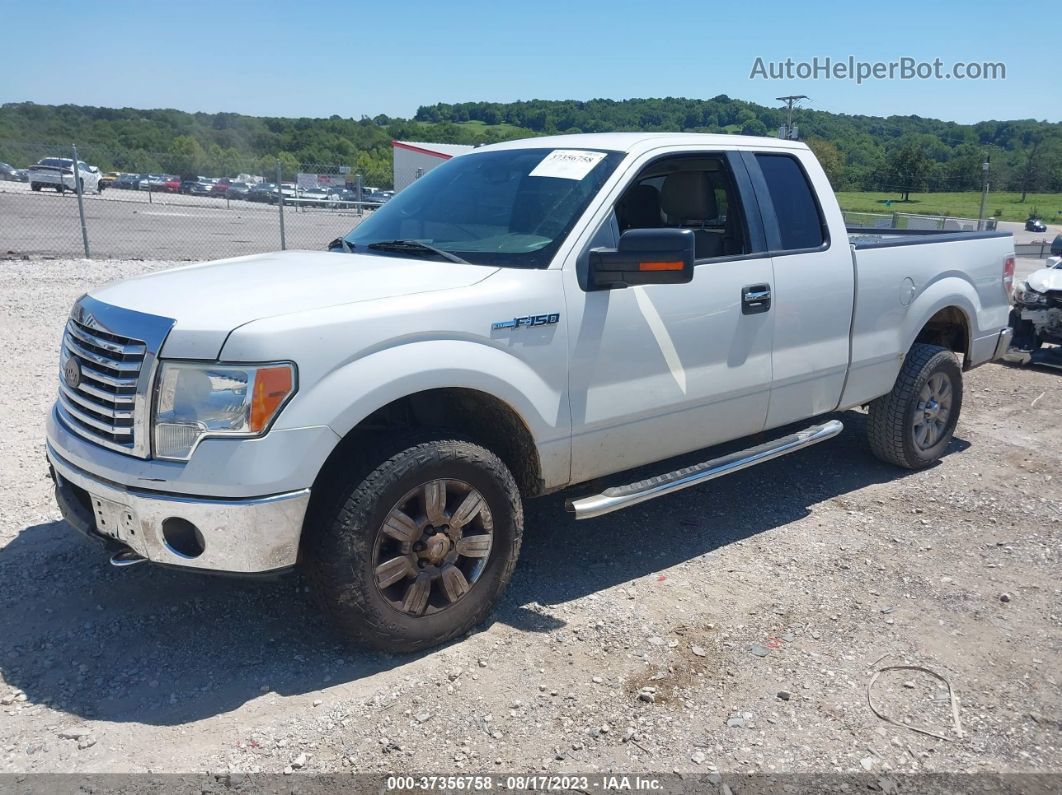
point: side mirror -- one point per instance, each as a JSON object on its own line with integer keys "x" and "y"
{"x": 644, "y": 256}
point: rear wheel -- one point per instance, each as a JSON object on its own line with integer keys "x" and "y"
{"x": 35, "y": 186}
{"x": 419, "y": 550}
{"x": 913, "y": 424}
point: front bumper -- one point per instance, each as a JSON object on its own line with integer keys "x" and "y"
{"x": 238, "y": 536}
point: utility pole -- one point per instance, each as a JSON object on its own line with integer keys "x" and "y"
{"x": 789, "y": 107}
{"x": 984, "y": 193}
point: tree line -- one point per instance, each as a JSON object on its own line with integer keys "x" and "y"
{"x": 899, "y": 154}
{"x": 860, "y": 153}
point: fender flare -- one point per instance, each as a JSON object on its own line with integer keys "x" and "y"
{"x": 344, "y": 397}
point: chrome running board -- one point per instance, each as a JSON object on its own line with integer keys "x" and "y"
{"x": 618, "y": 497}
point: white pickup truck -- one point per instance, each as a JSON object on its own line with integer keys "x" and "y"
{"x": 57, "y": 173}
{"x": 527, "y": 317}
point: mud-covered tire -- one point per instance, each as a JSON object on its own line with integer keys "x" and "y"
{"x": 892, "y": 417}
{"x": 341, "y": 540}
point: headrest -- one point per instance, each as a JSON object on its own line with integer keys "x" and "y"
{"x": 688, "y": 196}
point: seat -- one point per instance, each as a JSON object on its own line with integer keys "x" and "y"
{"x": 686, "y": 197}
{"x": 639, "y": 208}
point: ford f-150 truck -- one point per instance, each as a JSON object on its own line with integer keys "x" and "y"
{"x": 527, "y": 317}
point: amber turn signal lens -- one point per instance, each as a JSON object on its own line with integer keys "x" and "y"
{"x": 272, "y": 385}
{"x": 660, "y": 266}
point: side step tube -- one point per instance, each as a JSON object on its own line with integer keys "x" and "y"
{"x": 617, "y": 497}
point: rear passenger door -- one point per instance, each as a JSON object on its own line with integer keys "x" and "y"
{"x": 813, "y": 290}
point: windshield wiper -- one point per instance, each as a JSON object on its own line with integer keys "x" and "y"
{"x": 415, "y": 247}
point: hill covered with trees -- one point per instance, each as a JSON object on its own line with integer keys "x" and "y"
{"x": 860, "y": 153}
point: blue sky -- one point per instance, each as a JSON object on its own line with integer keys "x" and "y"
{"x": 319, "y": 57}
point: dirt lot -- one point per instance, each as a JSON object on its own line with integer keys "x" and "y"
{"x": 732, "y": 627}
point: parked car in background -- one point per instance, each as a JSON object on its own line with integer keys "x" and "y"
{"x": 108, "y": 179}
{"x": 315, "y": 197}
{"x": 172, "y": 185}
{"x": 287, "y": 191}
{"x": 8, "y": 173}
{"x": 58, "y": 173}
{"x": 1037, "y": 314}
{"x": 152, "y": 182}
{"x": 261, "y": 192}
{"x": 221, "y": 187}
{"x": 237, "y": 190}
{"x": 196, "y": 186}
{"x": 380, "y": 196}
{"x": 126, "y": 182}
{"x": 1035, "y": 225}
{"x": 1056, "y": 246}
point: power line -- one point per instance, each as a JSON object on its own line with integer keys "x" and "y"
{"x": 788, "y": 131}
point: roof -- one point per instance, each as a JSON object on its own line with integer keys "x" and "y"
{"x": 445, "y": 151}
{"x": 631, "y": 141}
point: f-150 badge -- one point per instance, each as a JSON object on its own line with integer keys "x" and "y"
{"x": 528, "y": 321}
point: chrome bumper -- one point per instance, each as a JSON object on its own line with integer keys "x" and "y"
{"x": 1003, "y": 343}
{"x": 239, "y": 536}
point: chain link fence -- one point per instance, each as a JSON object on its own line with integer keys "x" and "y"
{"x": 170, "y": 205}
{"x": 950, "y": 223}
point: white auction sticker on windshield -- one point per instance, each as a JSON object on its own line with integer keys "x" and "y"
{"x": 567, "y": 164}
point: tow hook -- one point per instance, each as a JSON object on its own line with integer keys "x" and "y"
{"x": 126, "y": 557}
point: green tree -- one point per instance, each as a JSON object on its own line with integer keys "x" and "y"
{"x": 908, "y": 169}
{"x": 830, "y": 158}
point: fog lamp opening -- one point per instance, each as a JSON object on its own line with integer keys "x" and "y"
{"x": 183, "y": 538}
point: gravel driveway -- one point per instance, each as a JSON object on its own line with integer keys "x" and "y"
{"x": 732, "y": 627}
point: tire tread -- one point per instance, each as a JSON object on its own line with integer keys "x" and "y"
{"x": 340, "y": 527}
{"x": 887, "y": 426}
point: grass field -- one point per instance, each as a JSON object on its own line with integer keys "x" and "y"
{"x": 1005, "y": 206}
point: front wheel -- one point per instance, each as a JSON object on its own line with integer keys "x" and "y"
{"x": 913, "y": 424}
{"x": 34, "y": 186}
{"x": 419, "y": 550}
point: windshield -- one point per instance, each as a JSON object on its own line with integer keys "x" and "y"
{"x": 512, "y": 207}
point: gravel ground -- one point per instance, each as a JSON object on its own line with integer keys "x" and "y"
{"x": 732, "y": 627}
{"x": 123, "y": 224}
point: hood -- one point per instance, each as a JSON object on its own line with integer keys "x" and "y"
{"x": 210, "y": 299}
{"x": 1046, "y": 279}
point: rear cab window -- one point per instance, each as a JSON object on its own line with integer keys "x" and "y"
{"x": 796, "y": 209}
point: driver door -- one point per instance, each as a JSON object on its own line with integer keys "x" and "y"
{"x": 660, "y": 370}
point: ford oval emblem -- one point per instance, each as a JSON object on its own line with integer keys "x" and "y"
{"x": 72, "y": 373}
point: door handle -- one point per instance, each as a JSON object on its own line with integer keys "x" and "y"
{"x": 755, "y": 298}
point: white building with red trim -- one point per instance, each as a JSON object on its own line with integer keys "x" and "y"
{"x": 414, "y": 159}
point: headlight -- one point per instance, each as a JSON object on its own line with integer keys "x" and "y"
{"x": 195, "y": 401}
{"x": 1027, "y": 296}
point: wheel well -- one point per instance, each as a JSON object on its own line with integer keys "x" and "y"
{"x": 949, "y": 329}
{"x": 482, "y": 418}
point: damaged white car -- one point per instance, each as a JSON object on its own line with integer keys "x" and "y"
{"x": 1036, "y": 316}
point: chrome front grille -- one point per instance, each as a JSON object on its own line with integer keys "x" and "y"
{"x": 99, "y": 375}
